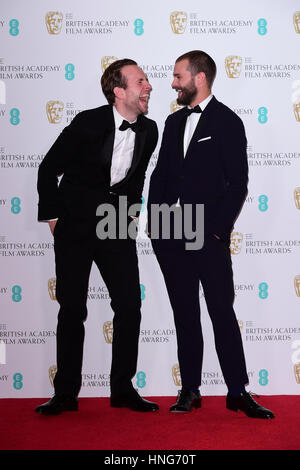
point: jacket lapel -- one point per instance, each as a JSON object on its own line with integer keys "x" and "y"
{"x": 182, "y": 124}
{"x": 203, "y": 124}
{"x": 139, "y": 143}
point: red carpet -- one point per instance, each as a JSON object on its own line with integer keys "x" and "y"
{"x": 98, "y": 427}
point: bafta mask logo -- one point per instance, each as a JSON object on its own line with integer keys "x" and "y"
{"x": 52, "y": 288}
{"x": 236, "y": 243}
{"x": 108, "y": 332}
{"x": 297, "y": 372}
{"x": 296, "y": 18}
{"x": 296, "y": 359}
{"x": 176, "y": 375}
{"x": 296, "y": 107}
{"x": 297, "y": 285}
{"x": 241, "y": 324}
{"x": 52, "y": 371}
{"x": 296, "y": 99}
{"x": 106, "y": 61}
{"x": 175, "y": 106}
{"x": 54, "y": 110}
{"x": 297, "y": 197}
{"x": 54, "y": 21}
{"x": 178, "y": 20}
{"x": 233, "y": 66}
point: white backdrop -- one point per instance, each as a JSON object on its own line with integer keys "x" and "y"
{"x": 51, "y": 60}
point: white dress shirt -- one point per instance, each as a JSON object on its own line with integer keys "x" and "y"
{"x": 122, "y": 151}
{"x": 191, "y": 124}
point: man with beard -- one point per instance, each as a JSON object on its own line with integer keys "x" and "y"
{"x": 202, "y": 161}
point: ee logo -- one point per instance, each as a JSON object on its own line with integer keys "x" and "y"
{"x": 14, "y": 27}
{"x": 69, "y": 69}
{"x": 18, "y": 381}
{"x": 262, "y": 115}
{"x": 16, "y": 293}
{"x": 141, "y": 379}
{"x": 15, "y": 205}
{"x": 262, "y": 26}
{"x": 14, "y": 116}
{"x": 263, "y": 290}
{"x": 263, "y": 377}
{"x": 138, "y": 27}
{"x": 143, "y": 293}
{"x": 263, "y": 203}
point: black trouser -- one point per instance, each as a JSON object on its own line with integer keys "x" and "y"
{"x": 118, "y": 264}
{"x": 182, "y": 271}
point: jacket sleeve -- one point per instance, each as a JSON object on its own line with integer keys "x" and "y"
{"x": 235, "y": 168}
{"x": 159, "y": 174}
{"x": 54, "y": 165}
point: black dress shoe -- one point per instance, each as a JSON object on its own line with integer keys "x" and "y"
{"x": 186, "y": 401}
{"x": 248, "y": 405}
{"x": 133, "y": 401}
{"x": 57, "y": 405}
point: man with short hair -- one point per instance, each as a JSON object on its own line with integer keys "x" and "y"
{"x": 103, "y": 156}
{"x": 202, "y": 161}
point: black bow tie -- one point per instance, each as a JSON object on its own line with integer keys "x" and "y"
{"x": 196, "y": 109}
{"x": 126, "y": 125}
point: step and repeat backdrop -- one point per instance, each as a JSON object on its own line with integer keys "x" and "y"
{"x": 52, "y": 57}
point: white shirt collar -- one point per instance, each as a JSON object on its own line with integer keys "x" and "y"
{"x": 205, "y": 102}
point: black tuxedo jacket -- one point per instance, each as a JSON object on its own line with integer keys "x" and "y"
{"x": 82, "y": 154}
{"x": 214, "y": 171}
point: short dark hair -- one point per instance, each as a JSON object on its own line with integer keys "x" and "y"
{"x": 113, "y": 77}
{"x": 199, "y": 61}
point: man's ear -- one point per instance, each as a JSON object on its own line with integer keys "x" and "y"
{"x": 119, "y": 92}
{"x": 200, "y": 78}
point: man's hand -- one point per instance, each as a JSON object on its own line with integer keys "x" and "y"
{"x": 52, "y": 224}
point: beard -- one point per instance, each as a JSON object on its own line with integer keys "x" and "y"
{"x": 188, "y": 93}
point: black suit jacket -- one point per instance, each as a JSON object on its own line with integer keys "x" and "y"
{"x": 214, "y": 171}
{"x": 82, "y": 154}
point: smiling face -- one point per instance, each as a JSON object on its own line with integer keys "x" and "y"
{"x": 133, "y": 100}
{"x": 184, "y": 84}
